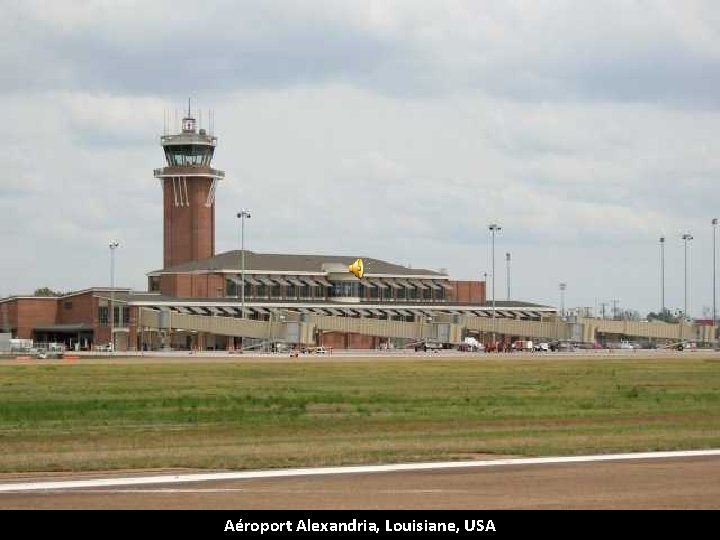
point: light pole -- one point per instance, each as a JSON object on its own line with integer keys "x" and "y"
{"x": 714, "y": 224}
{"x": 686, "y": 238}
{"x": 485, "y": 274}
{"x": 244, "y": 213}
{"x": 563, "y": 286}
{"x": 493, "y": 227}
{"x": 662, "y": 277}
{"x": 507, "y": 262}
{"x": 113, "y": 246}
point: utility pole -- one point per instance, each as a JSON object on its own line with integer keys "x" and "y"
{"x": 493, "y": 227}
{"x": 714, "y": 316}
{"x": 244, "y": 213}
{"x": 603, "y": 305}
{"x": 662, "y": 277}
{"x": 113, "y": 245}
{"x": 507, "y": 260}
{"x": 686, "y": 237}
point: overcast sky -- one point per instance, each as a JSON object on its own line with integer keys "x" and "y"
{"x": 390, "y": 129}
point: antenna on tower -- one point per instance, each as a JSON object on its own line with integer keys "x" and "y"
{"x": 188, "y": 107}
{"x": 177, "y": 124}
{"x": 211, "y": 115}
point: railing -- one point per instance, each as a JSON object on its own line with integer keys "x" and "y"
{"x": 188, "y": 171}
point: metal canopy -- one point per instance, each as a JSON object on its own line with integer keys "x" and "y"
{"x": 251, "y": 280}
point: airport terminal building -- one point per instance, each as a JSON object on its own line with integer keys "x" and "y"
{"x": 294, "y": 298}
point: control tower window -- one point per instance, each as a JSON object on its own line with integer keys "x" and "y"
{"x": 189, "y": 155}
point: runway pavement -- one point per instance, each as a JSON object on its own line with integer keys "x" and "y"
{"x": 663, "y": 480}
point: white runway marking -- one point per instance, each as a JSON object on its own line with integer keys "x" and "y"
{"x": 163, "y": 491}
{"x": 284, "y": 473}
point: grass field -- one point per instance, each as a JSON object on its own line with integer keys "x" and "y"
{"x": 303, "y": 413}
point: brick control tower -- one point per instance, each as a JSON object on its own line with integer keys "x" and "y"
{"x": 188, "y": 184}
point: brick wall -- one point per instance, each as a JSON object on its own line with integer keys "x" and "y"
{"x": 179, "y": 285}
{"x": 80, "y": 308}
{"x": 8, "y": 309}
{"x": 336, "y": 340}
{"x": 32, "y": 312}
{"x": 207, "y": 285}
{"x": 188, "y": 231}
{"x": 339, "y": 340}
{"x": 469, "y": 292}
{"x": 360, "y": 341}
{"x": 193, "y": 285}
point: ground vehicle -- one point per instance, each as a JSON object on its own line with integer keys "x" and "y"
{"x": 470, "y": 344}
{"x": 494, "y": 346}
{"x": 542, "y": 347}
{"x": 522, "y": 345}
{"x": 50, "y": 350}
{"x": 315, "y": 350}
{"x": 562, "y": 346}
{"x": 426, "y": 345}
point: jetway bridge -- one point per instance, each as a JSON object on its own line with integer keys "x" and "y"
{"x": 301, "y": 328}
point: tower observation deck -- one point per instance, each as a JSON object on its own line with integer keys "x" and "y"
{"x": 188, "y": 182}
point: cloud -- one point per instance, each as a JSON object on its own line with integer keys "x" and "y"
{"x": 526, "y": 51}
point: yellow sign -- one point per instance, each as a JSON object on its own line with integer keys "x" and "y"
{"x": 357, "y": 268}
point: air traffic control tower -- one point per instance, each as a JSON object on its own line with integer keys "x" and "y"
{"x": 188, "y": 184}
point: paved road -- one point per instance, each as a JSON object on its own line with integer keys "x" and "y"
{"x": 676, "y": 483}
{"x": 358, "y": 356}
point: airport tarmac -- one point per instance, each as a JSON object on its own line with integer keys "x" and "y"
{"x": 689, "y": 480}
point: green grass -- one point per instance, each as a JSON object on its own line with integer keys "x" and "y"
{"x": 255, "y": 415}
